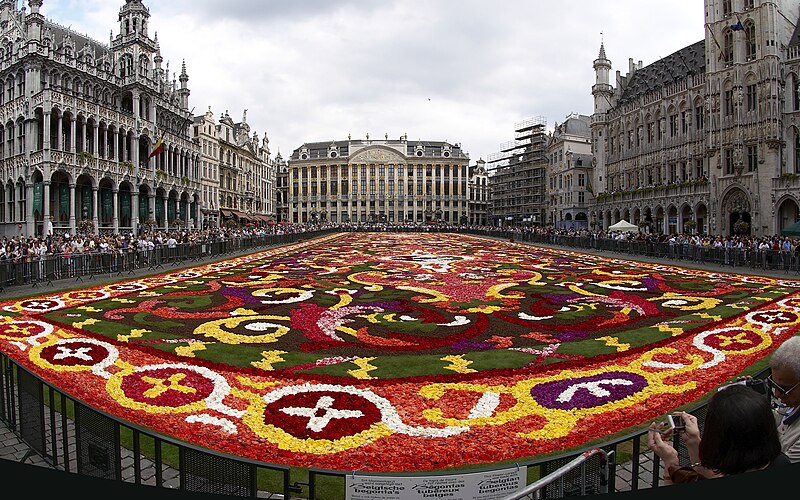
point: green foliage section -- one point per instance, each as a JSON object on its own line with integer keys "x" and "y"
{"x": 415, "y": 366}
{"x": 498, "y": 359}
{"x": 239, "y": 355}
{"x": 188, "y": 301}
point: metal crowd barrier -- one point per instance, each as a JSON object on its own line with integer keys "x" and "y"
{"x": 75, "y": 438}
{"x": 534, "y": 490}
{"x": 40, "y": 271}
{"x": 769, "y": 259}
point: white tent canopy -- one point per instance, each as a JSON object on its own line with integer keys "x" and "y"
{"x": 623, "y": 225}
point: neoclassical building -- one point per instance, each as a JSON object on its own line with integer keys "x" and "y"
{"x": 386, "y": 180}
{"x": 79, "y": 120}
{"x": 705, "y": 139}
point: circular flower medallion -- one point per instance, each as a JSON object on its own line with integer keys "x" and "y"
{"x": 159, "y": 280}
{"x": 734, "y": 340}
{"x": 24, "y": 330}
{"x": 75, "y": 355}
{"x": 38, "y": 305}
{"x": 131, "y": 286}
{"x": 588, "y": 392}
{"x": 168, "y": 388}
{"x": 773, "y": 317}
{"x": 86, "y": 295}
{"x": 322, "y": 418}
{"x": 322, "y": 414}
{"x": 185, "y": 275}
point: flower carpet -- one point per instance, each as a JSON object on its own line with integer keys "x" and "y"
{"x": 400, "y": 352}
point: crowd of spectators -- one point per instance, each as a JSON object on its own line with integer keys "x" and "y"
{"x": 24, "y": 247}
{"x": 27, "y": 248}
{"x": 744, "y": 242}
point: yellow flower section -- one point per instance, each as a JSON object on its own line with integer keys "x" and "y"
{"x": 686, "y": 303}
{"x": 269, "y": 359}
{"x": 220, "y": 330}
{"x": 364, "y": 367}
{"x": 458, "y": 364}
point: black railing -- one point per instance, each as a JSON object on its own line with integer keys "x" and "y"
{"x": 74, "y": 437}
{"x": 37, "y": 271}
{"x": 752, "y": 258}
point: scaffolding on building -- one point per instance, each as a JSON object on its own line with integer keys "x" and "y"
{"x": 517, "y": 176}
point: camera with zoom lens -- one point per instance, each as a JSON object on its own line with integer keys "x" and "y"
{"x": 757, "y": 384}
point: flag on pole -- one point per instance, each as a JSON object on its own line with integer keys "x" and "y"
{"x": 719, "y": 47}
{"x": 158, "y": 148}
{"x": 738, "y": 26}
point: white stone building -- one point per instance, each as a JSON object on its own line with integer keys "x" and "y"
{"x": 383, "y": 180}
{"x": 237, "y": 174}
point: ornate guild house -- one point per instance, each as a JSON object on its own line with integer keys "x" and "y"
{"x": 94, "y": 135}
{"x": 706, "y": 139}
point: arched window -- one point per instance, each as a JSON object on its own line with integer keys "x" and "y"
{"x": 727, "y": 47}
{"x": 796, "y": 151}
{"x": 750, "y": 41}
{"x": 795, "y": 93}
{"x": 144, "y": 66}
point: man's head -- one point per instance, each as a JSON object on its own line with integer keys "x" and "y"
{"x": 785, "y": 377}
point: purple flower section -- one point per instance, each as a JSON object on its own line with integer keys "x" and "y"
{"x": 572, "y": 335}
{"x": 651, "y": 283}
{"x": 469, "y": 345}
{"x": 588, "y": 392}
{"x": 241, "y": 293}
{"x": 391, "y": 305}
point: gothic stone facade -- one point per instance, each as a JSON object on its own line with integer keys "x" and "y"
{"x": 705, "y": 139}
{"x": 78, "y": 121}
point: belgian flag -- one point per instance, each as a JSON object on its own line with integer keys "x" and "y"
{"x": 158, "y": 148}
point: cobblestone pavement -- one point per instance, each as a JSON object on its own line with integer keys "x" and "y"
{"x": 12, "y": 448}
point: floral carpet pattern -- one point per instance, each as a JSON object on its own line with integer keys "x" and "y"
{"x": 400, "y": 352}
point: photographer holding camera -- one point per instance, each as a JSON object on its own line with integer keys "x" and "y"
{"x": 739, "y": 436}
{"x": 783, "y": 383}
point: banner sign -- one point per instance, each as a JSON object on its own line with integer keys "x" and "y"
{"x": 63, "y": 198}
{"x": 490, "y": 485}
{"x": 38, "y": 197}
{"x": 107, "y": 205}
{"x": 125, "y": 204}
{"x": 143, "y": 208}
{"x": 86, "y": 203}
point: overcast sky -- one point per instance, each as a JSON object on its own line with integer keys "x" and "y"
{"x": 463, "y": 71}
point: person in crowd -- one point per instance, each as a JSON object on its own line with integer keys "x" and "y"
{"x": 784, "y": 383}
{"x": 739, "y": 435}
